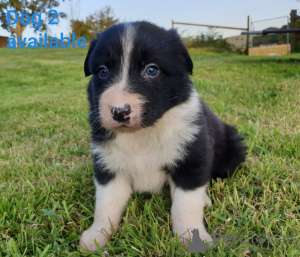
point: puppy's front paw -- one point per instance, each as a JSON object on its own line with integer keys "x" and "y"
{"x": 87, "y": 240}
{"x": 194, "y": 231}
{"x": 205, "y": 236}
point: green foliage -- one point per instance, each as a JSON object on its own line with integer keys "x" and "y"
{"x": 26, "y": 7}
{"x": 210, "y": 39}
{"x": 271, "y": 39}
{"x": 94, "y": 23}
{"x": 81, "y": 29}
{"x": 101, "y": 20}
{"x": 46, "y": 170}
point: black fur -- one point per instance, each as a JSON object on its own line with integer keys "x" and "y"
{"x": 102, "y": 174}
{"x": 216, "y": 152}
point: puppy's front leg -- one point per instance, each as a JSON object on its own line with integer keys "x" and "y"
{"x": 188, "y": 211}
{"x": 110, "y": 202}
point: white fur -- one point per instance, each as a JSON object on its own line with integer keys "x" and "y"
{"x": 188, "y": 211}
{"x": 117, "y": 94}
{"x": 127, "y": 44}
{"x": 142, "y": 154}
{"x": 110, "y": 202}
{"x": 137, "y": 160}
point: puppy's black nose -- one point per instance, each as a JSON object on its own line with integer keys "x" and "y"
{"x": 119, "y": 113}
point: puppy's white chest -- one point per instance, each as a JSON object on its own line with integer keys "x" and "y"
{"x": 142, "y": 155}
{"x": 141, "y": 159}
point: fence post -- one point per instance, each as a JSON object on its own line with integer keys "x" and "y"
{"x": 248, "y": 36}
{"x": 288, "y": 37}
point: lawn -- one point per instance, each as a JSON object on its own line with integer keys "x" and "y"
{"x": 46, "y": 185}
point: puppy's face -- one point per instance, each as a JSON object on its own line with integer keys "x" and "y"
{"x": 139, "y": 71}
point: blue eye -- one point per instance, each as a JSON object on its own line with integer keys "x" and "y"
{"x": 103, "y": 72}
{"x": 151, "y": 71}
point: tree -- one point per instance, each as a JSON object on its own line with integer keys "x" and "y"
{"x": 81, "y": 29}
{"x": 94, "y": 23}
{"x": 30, "y": 8}
{"x": 101, "y": 20}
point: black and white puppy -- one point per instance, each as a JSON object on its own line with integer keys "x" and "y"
{"x": 150, "y": 128}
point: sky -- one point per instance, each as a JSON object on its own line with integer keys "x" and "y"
{"x": 216, "y": 12}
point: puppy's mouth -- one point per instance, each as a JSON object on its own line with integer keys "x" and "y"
{"x": 124, "y": 128}
{"x": 124, "y": 124}
{"x": 119, "y": 110}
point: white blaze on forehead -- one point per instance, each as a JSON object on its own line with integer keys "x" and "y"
{"x": 116, "y": 95}
{"x": 127, "y": 45}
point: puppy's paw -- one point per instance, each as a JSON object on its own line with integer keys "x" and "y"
{"x": 205, "y": 236}
{"x": 87, "y": 240}
{"x": 187, "y": 235}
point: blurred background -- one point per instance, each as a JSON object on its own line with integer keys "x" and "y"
{"x": 200, "y": 23}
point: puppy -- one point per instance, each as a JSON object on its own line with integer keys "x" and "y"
{"x": 150, "y": 128}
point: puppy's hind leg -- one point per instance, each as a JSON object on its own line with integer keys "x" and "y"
{"x": 110, "y": 202}
{"x": 188, "y": 211}
{"x": 230, "y": 155}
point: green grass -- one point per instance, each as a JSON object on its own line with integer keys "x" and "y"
{"x": 46, "y": 186}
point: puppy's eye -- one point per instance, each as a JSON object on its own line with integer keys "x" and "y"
{"x": 151, "y": 71}
{"x": 103, "y": 72}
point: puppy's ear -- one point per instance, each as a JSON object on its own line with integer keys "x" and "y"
{"x": 181, "y": 51}
{"x": 189, "y": 62}
{"x": 87, "y": 69}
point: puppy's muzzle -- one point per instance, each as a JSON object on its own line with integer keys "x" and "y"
{"x": 121, "y": 114}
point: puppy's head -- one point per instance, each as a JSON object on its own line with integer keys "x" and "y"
{"x": 140, "y": 71}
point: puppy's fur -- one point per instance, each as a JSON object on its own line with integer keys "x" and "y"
{"x": 149, "y": 128}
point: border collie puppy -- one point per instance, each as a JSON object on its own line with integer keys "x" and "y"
{"x": 150, "y": 128}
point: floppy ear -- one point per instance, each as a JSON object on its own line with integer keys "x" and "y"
{"x": 189, "y": 62}
{"x": 182, "y": 51}
{"x": 87, "y": 70}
